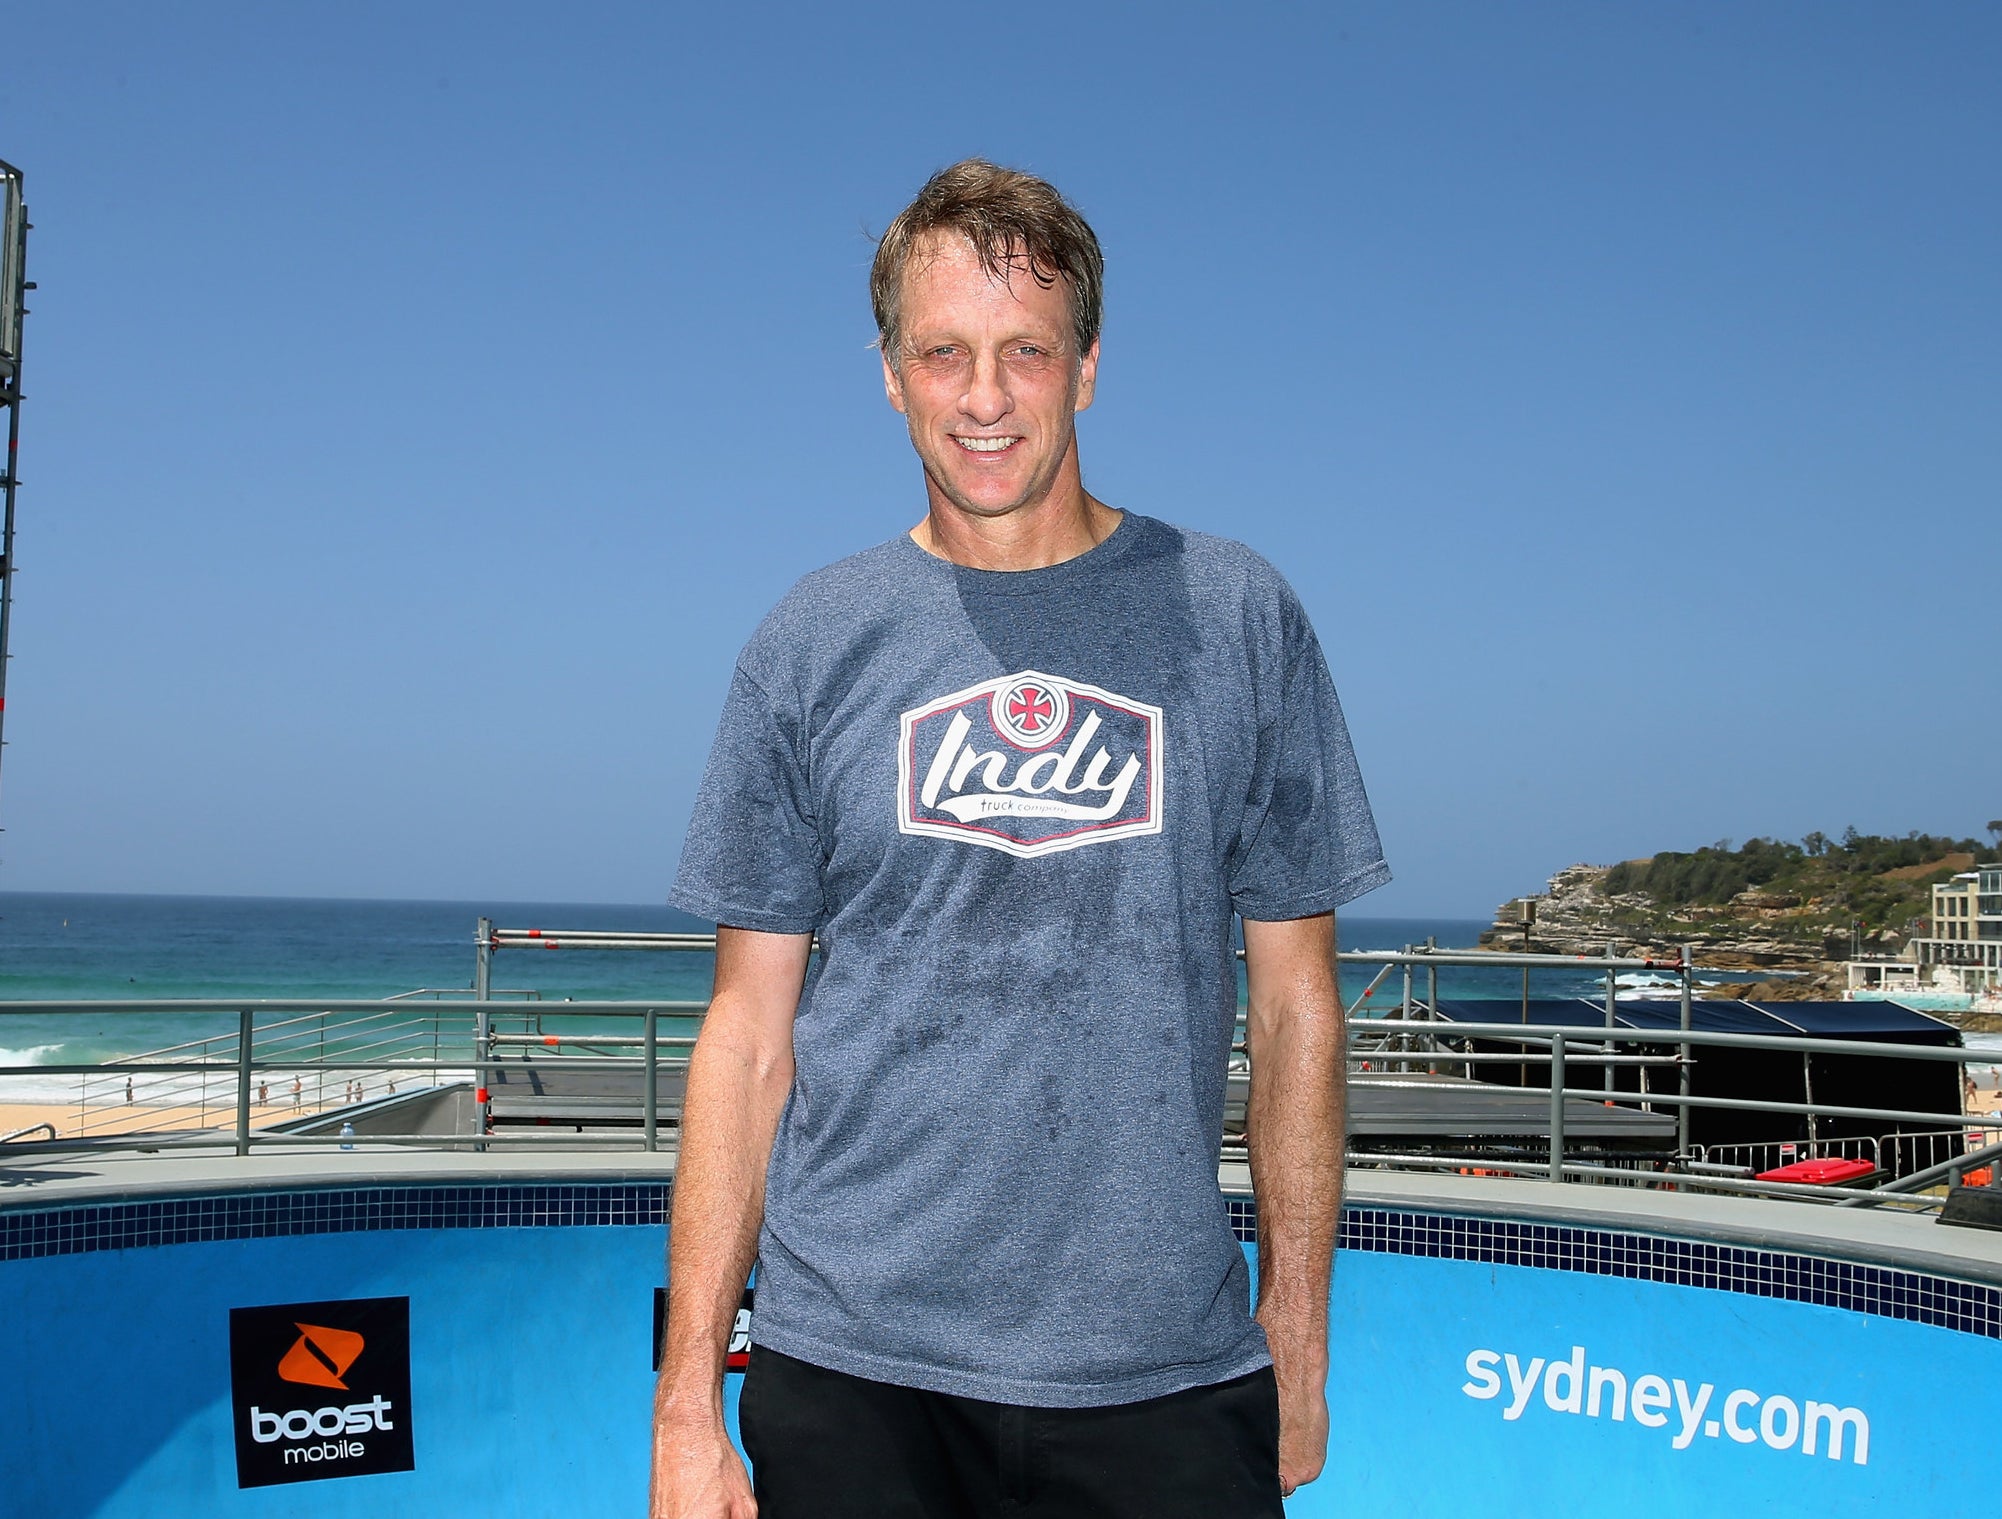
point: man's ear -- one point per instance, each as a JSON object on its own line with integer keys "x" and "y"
{"x": 893, "y": 385}
{"x": 1087, "y": 378}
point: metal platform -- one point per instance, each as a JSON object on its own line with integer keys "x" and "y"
{"x": 1447, "y": 1107}
{"x": 554, "y": 1093}
{"x": 1421, "y": 1110}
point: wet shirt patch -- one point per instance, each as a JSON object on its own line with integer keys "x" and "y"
{"x": 1030, "y": 764}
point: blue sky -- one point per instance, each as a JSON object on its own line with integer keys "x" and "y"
{"x": 425, "y": 401}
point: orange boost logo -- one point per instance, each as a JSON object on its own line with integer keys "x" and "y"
{"x": 321, "y": 1356}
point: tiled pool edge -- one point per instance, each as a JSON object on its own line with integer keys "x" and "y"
{"x": 1880, "y": 1290}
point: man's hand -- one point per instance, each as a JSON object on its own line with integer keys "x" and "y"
{"x": 1300, "y": 1363}
{"x": 1294, "y": 1132}
{"x": 697, "y": 1473}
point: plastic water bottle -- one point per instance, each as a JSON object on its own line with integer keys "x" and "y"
{"x": 347, "y": 1136}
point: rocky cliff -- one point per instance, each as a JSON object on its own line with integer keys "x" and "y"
{"x": 1765, "y": 905}
{"x": 1577, "y": 915}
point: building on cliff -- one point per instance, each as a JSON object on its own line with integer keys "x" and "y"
{"x": 1964, "y": 945}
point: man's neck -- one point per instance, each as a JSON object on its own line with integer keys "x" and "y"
{"x": 1029, "y": 538}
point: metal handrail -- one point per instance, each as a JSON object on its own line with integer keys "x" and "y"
{"x": 1538, "y": 1033}
{"x": 204, "y": 1042}
{"x": 155, "y": 1006}
{"x": 277, "y": 1045}
{"x": 557, "y": 1041}
{"x": 280, "y": 1039}
{"x": 1534, "y": 1034}
{"x": 435, "y": 993}
{"x": 1557, "y": 1037}
{"x": 285, "y": 1045}
{"x": 596, "y": 938}
{"x": 1918, "y": 1181}
{"x": 602, "y": 938}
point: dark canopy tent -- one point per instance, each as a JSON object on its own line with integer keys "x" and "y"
{"x": 1724, "y": 1072}
{"x": 1874, "y": 1081}
{"x": 1565, "y": 1012}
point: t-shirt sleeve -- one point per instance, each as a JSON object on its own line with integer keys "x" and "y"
{"x": 752, "y": 858}
{"x": 1308, "y": 841}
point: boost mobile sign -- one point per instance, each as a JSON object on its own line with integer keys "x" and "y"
{"x": 320, "y": 1390}
{"x": 737, "y": 1358}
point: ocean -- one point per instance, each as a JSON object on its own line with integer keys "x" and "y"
{"x": 79, "y": 946}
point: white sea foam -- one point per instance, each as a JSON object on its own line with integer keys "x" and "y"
{"x": 1652, "y": 986}
{"x": 22, "y": 1087}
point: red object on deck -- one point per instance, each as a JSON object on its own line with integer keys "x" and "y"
{"x": 1820, "y": 1173}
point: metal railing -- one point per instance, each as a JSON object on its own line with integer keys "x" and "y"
{"x": 453, "y": 1043}
{"x": 1947, "y": 1173}
{"x": 268, "y": 1039}
{"x": 209, "y": 1091}
{"x": 1750, "y": 1158}
{"x": 1905, "y": 1154}
{"x": 1560, "y": 1046}
{"x": 159, "y": 1080}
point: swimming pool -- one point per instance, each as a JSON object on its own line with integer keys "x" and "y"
{"x": 475, "y": 1333}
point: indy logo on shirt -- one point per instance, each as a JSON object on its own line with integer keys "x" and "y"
{"x": 1030, "y": 764}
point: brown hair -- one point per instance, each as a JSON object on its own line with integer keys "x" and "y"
{"x": 1012, "y": 219}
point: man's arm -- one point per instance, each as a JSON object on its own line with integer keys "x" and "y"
{"x": 1295, "y": 1129}
{"x": 738, "y": 1078}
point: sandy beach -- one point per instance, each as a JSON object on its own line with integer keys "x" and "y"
{"x": 1982, "y": 1102}
{"x": 139, "y": 1118}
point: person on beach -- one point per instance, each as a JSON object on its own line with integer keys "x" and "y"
{"x": 1013, "y": 774}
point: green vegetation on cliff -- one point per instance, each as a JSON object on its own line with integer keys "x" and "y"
{"x": 1822, "y": 884}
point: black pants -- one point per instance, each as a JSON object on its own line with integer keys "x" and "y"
{"x": 825, "y": 1445}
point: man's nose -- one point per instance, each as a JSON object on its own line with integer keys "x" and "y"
{"x": 987, "y": 400}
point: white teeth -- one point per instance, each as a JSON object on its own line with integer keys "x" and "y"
{"x": 983, "y": 445}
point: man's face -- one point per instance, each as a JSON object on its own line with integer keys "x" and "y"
{"x": 989, "y": 378}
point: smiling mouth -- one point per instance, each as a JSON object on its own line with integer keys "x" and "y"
{"x": 985, "y": 445}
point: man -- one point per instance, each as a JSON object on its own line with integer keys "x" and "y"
{"x": 1016, "y": 770}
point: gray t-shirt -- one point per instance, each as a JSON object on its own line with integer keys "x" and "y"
{"x": 1020, "y": 809}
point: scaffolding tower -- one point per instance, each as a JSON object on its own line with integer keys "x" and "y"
{"x": 14, "y": 288}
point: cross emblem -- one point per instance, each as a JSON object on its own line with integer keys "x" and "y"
{"x": 1031, "y": 708}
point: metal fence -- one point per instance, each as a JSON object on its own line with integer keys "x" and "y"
{"x": 290, "y": 1071}
{"x": 1751, "y": 1158}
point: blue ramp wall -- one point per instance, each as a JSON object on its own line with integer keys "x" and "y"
{"x": 1482, "y": 1366}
